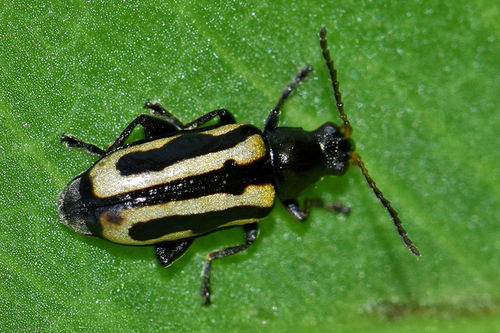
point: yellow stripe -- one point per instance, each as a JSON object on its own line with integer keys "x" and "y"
{"x": 108, "y": 181}
{"x": 254, "y": 195}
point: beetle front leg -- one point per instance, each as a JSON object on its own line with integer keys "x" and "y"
{"x": 251, "y": 231}
{"x": 293, "y": 207}
{"x": 274, "y": 116}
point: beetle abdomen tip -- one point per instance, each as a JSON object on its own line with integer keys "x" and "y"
{"x": 68, "y": 207}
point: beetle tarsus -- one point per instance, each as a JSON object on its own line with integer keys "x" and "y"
{"x": 158, "y": 109}
{"x": 251, "y": 232}
{"x": 205, "y": 291}
{"x": 336, "y": 207}
{"x": 302, "y": 214}
{"x": 73, "y": 142}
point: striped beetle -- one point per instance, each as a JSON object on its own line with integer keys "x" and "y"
{"x": 184, "y": 181}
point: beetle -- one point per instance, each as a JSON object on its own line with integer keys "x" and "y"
{"x": 184, "y": 181}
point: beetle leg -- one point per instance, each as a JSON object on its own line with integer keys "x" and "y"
{"x": 251, "y": 231}
{"x": 169, "y": 252}
{"x": 293, "y": 207}
{"x": 158, "y": 109}
{"x": 225, "y": 117}
{"x": 274, "y": 116}
{"x": 73, "y": 142}
{"x": 152, "y": 126}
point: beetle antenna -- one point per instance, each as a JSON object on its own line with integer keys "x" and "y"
{"x": 335, "y": 84}
{"x": 355, "y": 157}
{"x": 387, "y": 204}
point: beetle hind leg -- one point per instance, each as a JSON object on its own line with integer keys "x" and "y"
{"x": 169, "y": 252}
{"x": 251, "y": 231}
{"x": 73, "y": 142}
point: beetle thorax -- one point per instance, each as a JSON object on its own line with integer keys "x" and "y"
{"x": 301, "y": 158}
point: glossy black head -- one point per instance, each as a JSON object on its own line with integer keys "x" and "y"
{"x": 336, "y": 148}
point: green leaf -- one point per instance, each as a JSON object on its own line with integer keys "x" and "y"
{"x": 420, "y": 83}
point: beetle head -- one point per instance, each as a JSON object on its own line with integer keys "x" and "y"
{"x": 336, "y": 148}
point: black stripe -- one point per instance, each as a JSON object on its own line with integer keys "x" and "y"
{"x": 185, "y": 146}
{"x": 231, "y": 179}
{"x": 199, "y": 224}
